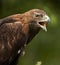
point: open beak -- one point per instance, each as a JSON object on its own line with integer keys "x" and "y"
{"x": 43, "y": 22}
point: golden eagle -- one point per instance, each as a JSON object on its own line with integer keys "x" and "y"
{"x": 17, "y": 30}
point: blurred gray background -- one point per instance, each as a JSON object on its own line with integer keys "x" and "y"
{"x": 45, "y": 47}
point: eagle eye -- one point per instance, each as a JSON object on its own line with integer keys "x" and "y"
{"x": 39, "y": 15}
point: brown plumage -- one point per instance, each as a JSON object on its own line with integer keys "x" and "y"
{"x": 18, "y": 30}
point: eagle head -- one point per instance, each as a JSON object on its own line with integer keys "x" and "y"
{"x": 38, "y": 18}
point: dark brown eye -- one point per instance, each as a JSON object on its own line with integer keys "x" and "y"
{"x": 37, "y": 15}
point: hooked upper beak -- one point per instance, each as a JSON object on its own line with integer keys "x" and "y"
{"x": 46, "y": 18}
{"x": 43, "y": 22}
